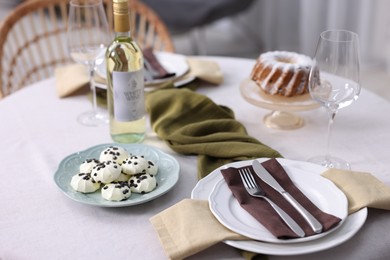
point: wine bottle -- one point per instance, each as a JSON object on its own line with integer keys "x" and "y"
{"x": 125, "y": 81}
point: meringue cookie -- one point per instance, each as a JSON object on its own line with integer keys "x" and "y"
{"x": 142, "y": 183}
{"x": 83, "y": 182}
{"x": 134, "y": 165}
{"x": 116, "y": 191}
{"x": 123, "y": 177}
{"x": 120, "y": 172}
{"x": 87, "y": 165}
{"x": 114, "y": 153}
{"x": 106, "y": 172}
{"x": 152, "y": 168}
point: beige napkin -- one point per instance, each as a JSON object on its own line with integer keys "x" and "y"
{"x": 189, "y": 227}
{"x": 205, "y": 70}
{"x": 72, "y": 77}
{"x": 361, "y": 188}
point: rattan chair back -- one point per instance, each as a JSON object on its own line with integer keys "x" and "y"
{"x": 33, "y": 39}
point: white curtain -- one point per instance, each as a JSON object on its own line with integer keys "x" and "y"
{"x": 295, "y": 25}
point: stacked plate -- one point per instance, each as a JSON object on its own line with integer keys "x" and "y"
{"x": 306, "y": 176}
{"x": 172, "y": 62}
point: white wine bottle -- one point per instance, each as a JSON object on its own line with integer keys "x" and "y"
{"x": 125, "y": 81}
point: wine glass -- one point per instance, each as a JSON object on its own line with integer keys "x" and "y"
{"x": 87, "y": 39}
{"x": 334, "y": 81}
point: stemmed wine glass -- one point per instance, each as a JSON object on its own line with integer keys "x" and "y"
{"x": 334, "y": 81}
{"x": 87, "y": 39}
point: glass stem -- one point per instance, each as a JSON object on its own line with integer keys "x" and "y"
{"x": 92, "y": 86}
{"x": 332, "y": 114}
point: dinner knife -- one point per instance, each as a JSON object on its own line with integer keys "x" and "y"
{"x": 267, "y": 178}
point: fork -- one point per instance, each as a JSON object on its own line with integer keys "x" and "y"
{"x": 254, "y": 190}
{"x": 150, "y": 69}
{"x": 148, "y": 76}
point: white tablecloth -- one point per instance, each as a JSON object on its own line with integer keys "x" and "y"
{"x": 37, "y": 129}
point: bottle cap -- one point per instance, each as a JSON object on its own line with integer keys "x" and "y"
{"x": 120, "y": 7}
{"x": 121, "y": 15}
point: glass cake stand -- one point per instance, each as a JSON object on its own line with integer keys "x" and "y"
{"x": 282, "y": 108}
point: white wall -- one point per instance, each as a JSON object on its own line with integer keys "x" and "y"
{"x": 295, "y": 25}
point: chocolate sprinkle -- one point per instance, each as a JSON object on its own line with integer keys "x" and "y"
{"x": 114, "y": 153}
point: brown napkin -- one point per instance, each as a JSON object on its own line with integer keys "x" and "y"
{"x": 155, "y": 65}
{"x": 200, "y": 69}
{"x": 265, "y": 214}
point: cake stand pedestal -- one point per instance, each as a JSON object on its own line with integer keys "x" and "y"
{"x": 282, "y": 116}
{"x": 283, "y": 120}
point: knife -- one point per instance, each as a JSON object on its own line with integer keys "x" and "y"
{"x": 267, "y": 178}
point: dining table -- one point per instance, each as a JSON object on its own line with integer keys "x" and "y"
{"x": 38, "y": 130}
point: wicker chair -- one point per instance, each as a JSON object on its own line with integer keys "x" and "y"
{"x": 32, "y": 39}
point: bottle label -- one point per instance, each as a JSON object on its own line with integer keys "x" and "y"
{"x": 128, "y": 95}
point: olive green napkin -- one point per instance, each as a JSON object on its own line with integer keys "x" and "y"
{"x": 191, "y": 123}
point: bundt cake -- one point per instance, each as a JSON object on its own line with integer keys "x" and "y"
{"x": 282, "y": 73}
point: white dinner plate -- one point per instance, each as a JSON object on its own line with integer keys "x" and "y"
{"x": 322, "y": 192}
{"x": 348, "y": 229}
{"x": 167, "y": 176}
{"x": 172, "y": 62}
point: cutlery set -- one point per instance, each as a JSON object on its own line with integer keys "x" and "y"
{"x": 255, "y": 190}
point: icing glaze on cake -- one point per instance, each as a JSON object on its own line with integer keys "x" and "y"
{"x": 282, "y": 73}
